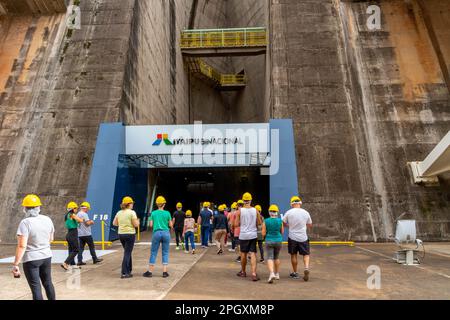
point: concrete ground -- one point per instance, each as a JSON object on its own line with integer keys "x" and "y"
{"x": 336, "y": 273}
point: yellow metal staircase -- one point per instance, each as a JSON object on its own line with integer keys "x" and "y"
{"x": 221, "y": 43}
{"x": 220, "y": 81}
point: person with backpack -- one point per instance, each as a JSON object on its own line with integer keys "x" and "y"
{"x": 188, "y": 232}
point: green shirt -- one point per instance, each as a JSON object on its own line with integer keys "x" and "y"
{"x": 161, "y": 219}
{"x": 273, "y": 230}
{"x": 70, "y": 223}
{"x": 125, "y": 220}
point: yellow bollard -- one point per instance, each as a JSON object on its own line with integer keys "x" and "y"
{"x": 103, "y": 235}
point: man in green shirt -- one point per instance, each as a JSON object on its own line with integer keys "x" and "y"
{"x": 161, "y": 222}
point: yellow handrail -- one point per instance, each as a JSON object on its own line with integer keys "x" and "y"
{"x": 63, "y": 242}
{"x": 103, "y": 235}
{"x": 199, "y": 66}
{"x": 102, "y": 243}
{"x": 224, "y": 38}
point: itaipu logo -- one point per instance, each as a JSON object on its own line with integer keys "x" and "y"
{"x": 189, "y": 141}
{"x": 162, "y": 137}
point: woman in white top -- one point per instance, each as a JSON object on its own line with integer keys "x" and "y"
{"x": 34, "y": 235}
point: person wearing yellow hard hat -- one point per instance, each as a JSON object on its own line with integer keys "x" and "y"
{"x": 71, "y": 222}
{"x": 220, "y": 225}
{"x": 226, "y": 212}
{"x": 260, "y": 236}
{"x": 273, "y": 231}
{"x": 161, "y": 223}
{"x": 204, "y": 220}
{"x": 298, "y": 220}
{"x": 127, "y": 221}
{"x": 34, "y": 235}
{"x": 85, "y": 234}
{"x": 230, "y": 218}
{"x": 188, "y": 232}
{"x": 178, "y": 224}
{"x": 248, "y": 219}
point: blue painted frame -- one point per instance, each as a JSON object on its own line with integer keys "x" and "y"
{"x": 109, "y": 181}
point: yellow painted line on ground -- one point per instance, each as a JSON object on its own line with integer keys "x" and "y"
{"x": 330, "y": 243}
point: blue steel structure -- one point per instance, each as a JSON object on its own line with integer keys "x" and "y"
{"x": 111, "y": 178}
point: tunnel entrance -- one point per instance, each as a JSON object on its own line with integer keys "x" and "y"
{"x": 190, "y": 164}
{"x": 193, "y": 186}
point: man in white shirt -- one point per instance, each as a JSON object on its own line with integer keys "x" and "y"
{"x": 248, "y": 219}
{"x": 297, "y": 220}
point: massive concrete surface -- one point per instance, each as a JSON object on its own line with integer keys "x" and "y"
{"x": 363, "y": 103}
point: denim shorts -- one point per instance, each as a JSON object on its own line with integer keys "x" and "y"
{"x": 273, "y": 250}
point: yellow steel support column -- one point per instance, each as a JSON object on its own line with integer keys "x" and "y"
{"x": 103, "y": 235}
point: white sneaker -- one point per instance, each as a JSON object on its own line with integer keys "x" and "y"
{"x": 271, "y": 278}
{"x": 177, "y": 248}
{"x": 277, "y": 276}
{"x": 185, "y": 251}
{"x": 231, "y": 250}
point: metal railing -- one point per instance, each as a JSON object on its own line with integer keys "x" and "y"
{"x": 222, "y": 80}
{"x": 103, "y": 243}
{"x": 224, "y": 38}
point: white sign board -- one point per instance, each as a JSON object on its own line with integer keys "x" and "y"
{"x": 198, "y": 139}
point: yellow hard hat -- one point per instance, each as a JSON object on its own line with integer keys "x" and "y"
{"x": 206, "y": 204}
{"x": 247, "y": 197}
{"x": 85, "y": 205}
{"x": 240, "y": 201}
{"x": 127, "y": 200}
{"x": 224, "y": 206}
{"x": 72, "y": 205}
{"x": 234, "y": 205}
{"x": 160, "y": 200}
{"x": 179, "y": 205}
{"x": 296, "y": 199}
{"x": 274, "y": 208}
{"x": 188, "y": 213}
{"x": 221, "y": 207}
{"x": 31, "y": 201}
{"x": 258, "y": 207}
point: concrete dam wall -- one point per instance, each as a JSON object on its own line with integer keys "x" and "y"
{"x": 363, "y": 102}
